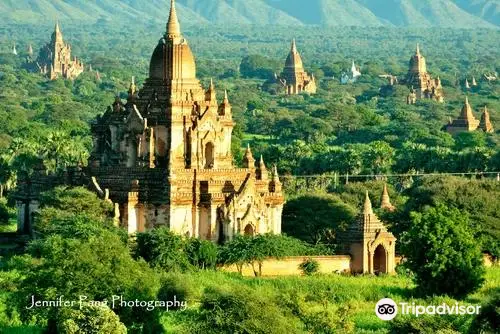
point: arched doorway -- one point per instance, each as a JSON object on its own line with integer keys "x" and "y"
{"x": 380, "y": 260}
{"x": 249, "y": 230}
{"x": 209, "y": 155}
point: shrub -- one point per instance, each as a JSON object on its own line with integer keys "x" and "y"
{"x": 241, "y": 310}
{"x": 4, "y": 213}
{"x": 98, "y": 269}
{"x": 162, "y": 248}
{"x": 488, "y": 320}
{"x": 89, "y": 320}
{"x": 442, "y": 252}
{"x": 202, "y": 253}
{"x": 309, "y": 266}
{"x": 428, "y": 324}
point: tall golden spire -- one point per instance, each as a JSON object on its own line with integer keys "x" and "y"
{"x": 173, "y": 25}
{"x": 294, "y": 46}
{"x": 57, "y": 35}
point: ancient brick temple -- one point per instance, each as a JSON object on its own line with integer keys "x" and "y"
{"x": 420, "y": 81}
{"x": 55, "y": 59}
{"x": 164, "y": 157}
{"x": 371, "y": 246}
{"x": 467, "y": 122}
{"x": 294, "y": 78}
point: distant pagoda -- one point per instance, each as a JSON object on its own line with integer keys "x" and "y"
{"x": 424, "y": 85}
{"x": 294, "y": 78}
{"x": 485, "y": 123}
{"x": 466, "y": 122}
{"x": 55, "y": 59}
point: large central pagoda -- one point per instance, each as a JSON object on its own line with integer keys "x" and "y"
{"x": 164, "y": 157}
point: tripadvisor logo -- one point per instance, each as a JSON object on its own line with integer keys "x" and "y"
{"x": 387, "y": 309}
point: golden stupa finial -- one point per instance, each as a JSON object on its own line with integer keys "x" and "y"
{"x": 294, "y": 46}
{"x": 173, "y": 25}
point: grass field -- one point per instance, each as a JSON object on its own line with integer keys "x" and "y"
{"x": 354, "y": 297}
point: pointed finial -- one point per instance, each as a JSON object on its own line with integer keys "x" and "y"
{"x": 132, "y": 89}
{"x": 418, "y": 49}
{"x": 173, "y": 25}
{"x": 385, "y": 203}
{"x": 261, "y": 162}
{"x": 212, "y": 84}
{"x": 367, "y": 210}
{"x": 57, "y": 29}
{"x": 275, "y": 172}
{"x": 225, "y": 95}
{"x": 294, "y": 46}
{"x": 466, "y": 100}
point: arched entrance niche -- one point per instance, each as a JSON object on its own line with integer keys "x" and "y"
{"x": 380, "y": 260}
{"x": 209, "y": 155}
{"x": 249, "y": 231}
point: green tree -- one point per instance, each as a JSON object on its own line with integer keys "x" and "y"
{"x": 443, "y": 253}
{"x": 97, "y": 268}
{"x": 316, "y": 218}
{"x": 89, "y": 320}
{"x": 163, "y": 249}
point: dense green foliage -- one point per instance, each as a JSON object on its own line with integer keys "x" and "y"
{"x": 442, "y": 252}
{"x": 89, "y": 320}
{"x": 316, "y": 218}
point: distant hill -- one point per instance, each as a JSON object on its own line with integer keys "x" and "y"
{"x": 404, "y": 13}
{"x": 424, "y": 13}
{"x": 488, "y": 10}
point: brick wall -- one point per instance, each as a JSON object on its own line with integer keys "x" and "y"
{"x": 290, "y": 265}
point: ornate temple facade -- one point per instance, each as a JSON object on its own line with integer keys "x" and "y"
{"x": 163, "y": 157}
{"x": 467, "y": 122}
{"x": 294, "y": 78}
{"x": 54, "y": 59}
{"x": 371, "y": 247}
{"x": 421, "y": 82}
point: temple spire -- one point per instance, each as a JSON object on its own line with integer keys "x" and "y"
{"x": 173, "y": 25}
{"x": 367, "y": 209}
{"x": 485, "y": 123}
{"x": 248, "y": 159}
{"x": 294, "y": 46}
{"x": 467, "y": 111}
{"x": 417, "y": 52}
{"x": 386, "y": 200}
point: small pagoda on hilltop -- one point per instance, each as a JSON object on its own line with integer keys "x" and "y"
{"x": 294, "y": 78}
{"x": 367, "y": 241}
{"x": 467, "y": 122}
{"x": 422, "y": 85}
{"x": 54, "y": 59}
